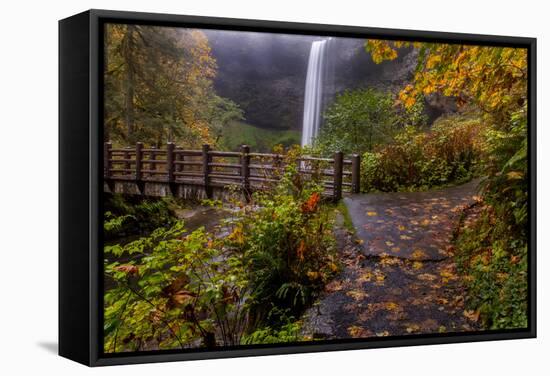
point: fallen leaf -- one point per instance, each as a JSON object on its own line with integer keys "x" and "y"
{"x": 447, "y": 275}
{"x": 426, "y": 277}
{"x": 419, "y": 254}
{"x": 359, "y": 332}
{"x": 128, "y": 269}
{"x": 357, "y": 294}
{"x": 389, "y": 261}
{"x": 471, "y": 315}
{"x": 380, "y": 277}
{"x": 372, "y": 213}
{"x": 334, "y": 286}
{"x": 365, "y": 277}
{"x": 405, "y": 237}
{"x": 413, "y": 328}
{"x": 417, "y": 265}
{"x": 514, "y": 175}
{"x": 313, "y": 275}
{"x": 389, "y": 244}
{"x": 401, "y": 227}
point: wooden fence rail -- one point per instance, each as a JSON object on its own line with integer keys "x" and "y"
{"x": 209, "y": 168}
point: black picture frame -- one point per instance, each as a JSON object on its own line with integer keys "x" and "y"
{"x": 80, "y": 184}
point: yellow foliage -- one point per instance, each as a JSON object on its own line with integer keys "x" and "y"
{"x": 493, "y": 78}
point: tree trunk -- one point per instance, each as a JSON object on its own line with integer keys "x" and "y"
{"x": 130, "y": 83}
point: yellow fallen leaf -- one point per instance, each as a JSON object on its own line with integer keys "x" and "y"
{"x": 425, "y": 222}
{"x": 333, "y": 267}
{"x": 395, "y": 249}
{"x": 418, "y": 254}
{"x": 356, "y": 294}
{"x": 405, "y": 237}
{"x": 385, "y": 333}
{"x": 401, "y": 228}
{"x": 372, "y": 213}
{"x": 334, "y": 286}
{"x": 448, "y": 275}
{"x": 313, "y": 275}
{"x": 413, "y": 328}
{"x": 426, "y": 277}
{"x": 359, "y": 332}
{"x": 417, "y": 265}
{"x": 471, "y": 315}
{"x": 365, "y": 277}
{"x": 391, "y": 306}
{"x": 442, "y": 301}
{"x": 514, "y": 175}
{"x": 389, "y": 244}
{"x": 388, "y": 261}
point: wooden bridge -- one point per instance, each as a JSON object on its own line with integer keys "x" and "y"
{"x": 208, "y": 170}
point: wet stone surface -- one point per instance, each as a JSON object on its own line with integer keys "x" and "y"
{"x": 393, "y": 284}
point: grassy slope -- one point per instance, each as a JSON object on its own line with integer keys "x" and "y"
{"x": 259, "y": 139}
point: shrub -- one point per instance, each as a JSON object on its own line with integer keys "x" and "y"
{"x": 287, "y": 237}
{"x": 493, "y": 251}
{"x": 174, "y": 292}
{"x": 171, "y": 290}
{"x": 358, "y": 120}
{"x": 448, "y": 153}
{"x": 127, "y": 216}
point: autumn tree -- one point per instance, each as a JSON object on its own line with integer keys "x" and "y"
{"x": 159, "y": 86}
{"x": 494, "y": 79}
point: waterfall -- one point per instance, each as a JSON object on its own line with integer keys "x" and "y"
{"x": 314, "y": 92}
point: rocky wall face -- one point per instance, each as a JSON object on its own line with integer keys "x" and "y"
{"x": 266, "y": 73}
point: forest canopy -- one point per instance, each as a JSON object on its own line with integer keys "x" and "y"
{"x": 159, "y": 87}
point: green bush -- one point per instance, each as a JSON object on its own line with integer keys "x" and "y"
{"x": 129, "y": 216}
{"x": 287, "y": 236}
{"x": 358, "y": 120}
{"x": 173, "y": 289}
{"x": 448, "y": 153}
{"x": 493, "y": 252}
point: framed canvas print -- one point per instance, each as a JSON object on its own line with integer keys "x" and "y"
{"x": 238, "y": 187}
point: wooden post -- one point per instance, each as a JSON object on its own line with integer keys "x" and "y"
{"x": 338, "y": 170}
{"x": 206, "y": 159}
{"x": 170, "y": 166}
{"x": 355, "y": 173}
{"x": 180, "y": 157}
{"x": 245, "y": 169}
{"x": 139, "y": 166}
{"x": 153, "y": 157}
{"x": 127, "y": 156}
{"x": 139, "y": 157}
{"x": 107, "y": 159}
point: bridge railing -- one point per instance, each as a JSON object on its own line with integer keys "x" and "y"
{"x": 209, "y": 168}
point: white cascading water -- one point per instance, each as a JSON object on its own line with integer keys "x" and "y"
{"x": 314, "y": 92}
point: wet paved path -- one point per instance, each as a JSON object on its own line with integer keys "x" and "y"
{"x": 398, "y": 274}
